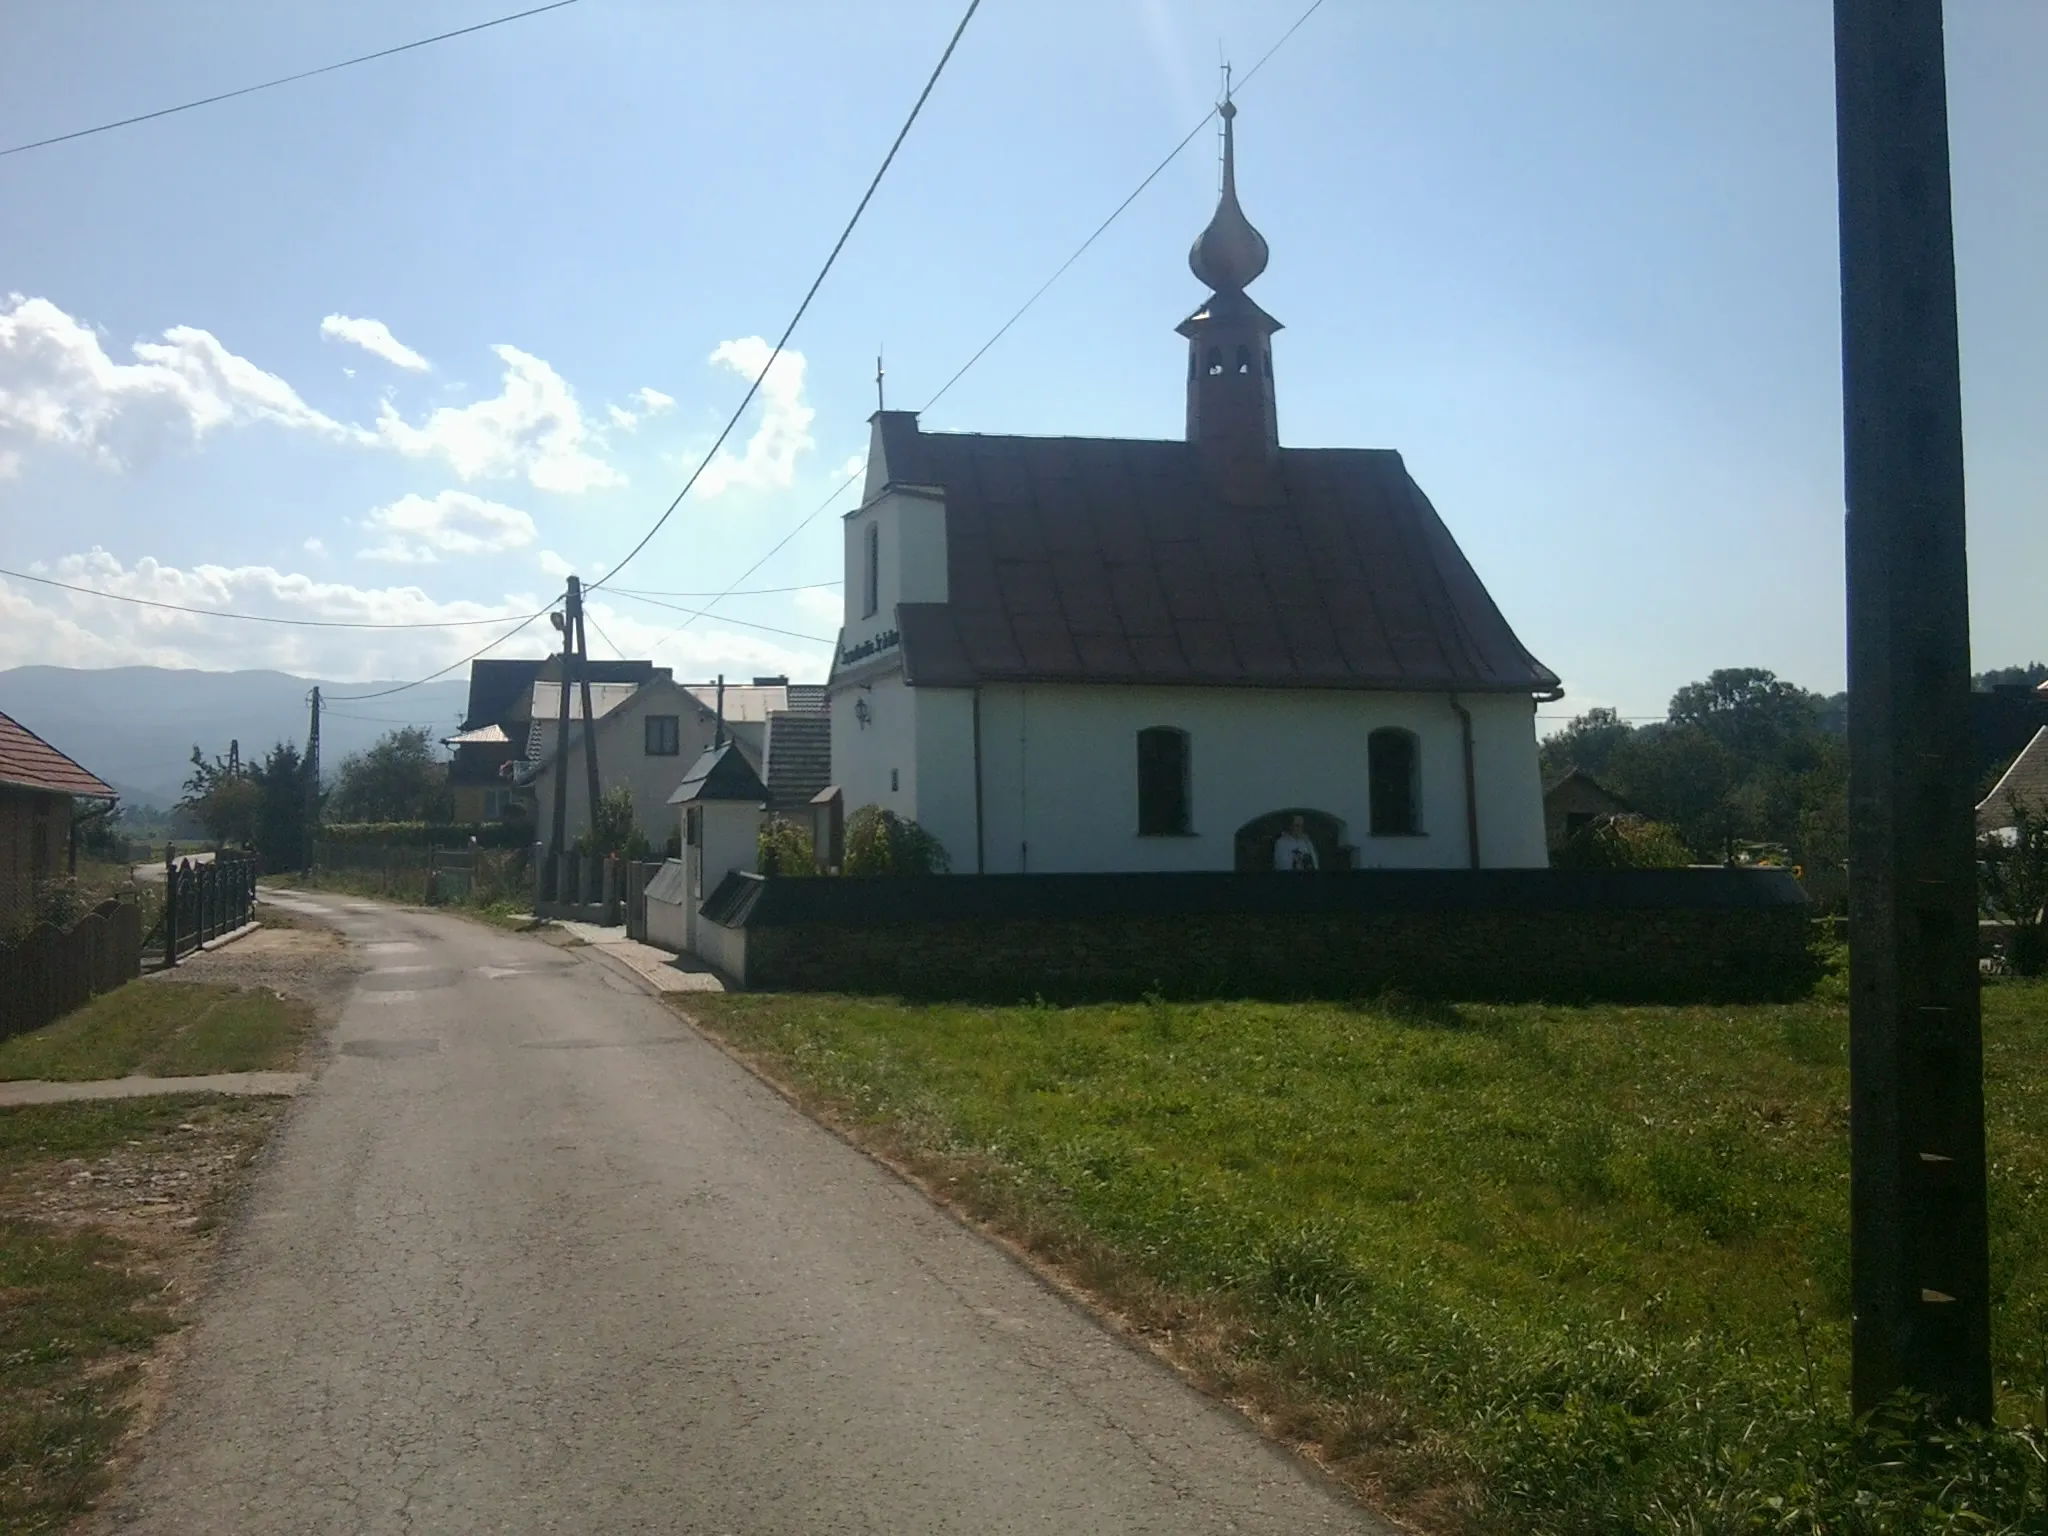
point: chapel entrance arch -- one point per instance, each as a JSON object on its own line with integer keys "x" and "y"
{"x": 1257, "y": 837}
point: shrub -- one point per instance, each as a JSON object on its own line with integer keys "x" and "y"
{"x": 880, "y": 842}
{"x": 2012, "y": 874}
{"x": 426, "y": 834}
{"x": 614, "y": 828}
{"x": 785, "y": 848}
{"x": 1623, "y": 841}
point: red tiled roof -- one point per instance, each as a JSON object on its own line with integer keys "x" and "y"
{"x": 1106, "y": 560}
{"x": 29, "y": 762}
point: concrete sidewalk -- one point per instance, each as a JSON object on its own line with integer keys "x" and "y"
{"x": 254, "y": 1084}
{"x": 663, "y": 971}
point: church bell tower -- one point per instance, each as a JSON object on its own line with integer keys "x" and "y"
{"x": 1231, "y": 417}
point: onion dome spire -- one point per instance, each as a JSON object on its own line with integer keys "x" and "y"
{"x": 1229, "y": 253}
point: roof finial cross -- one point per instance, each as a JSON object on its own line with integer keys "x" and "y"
{"x": 879, "y": 405}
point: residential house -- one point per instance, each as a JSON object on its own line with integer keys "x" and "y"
{"x": 38, "y": 788}
{"x": 1574, "y": 803}
{"x": 2003, "y": 720}
{"x": 497, "y": 729}
{"x": 1101, "y": 654}
{"x": 2024, "y": 783}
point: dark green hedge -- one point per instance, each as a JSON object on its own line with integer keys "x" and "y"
{"x": 424, "y": 834}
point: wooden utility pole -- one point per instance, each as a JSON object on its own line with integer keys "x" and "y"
{"x": 1919, "y": 1268}
{"x": 558, "y": 837}
{"x": 589, "y": 716}
{"x": 312, "y": 768}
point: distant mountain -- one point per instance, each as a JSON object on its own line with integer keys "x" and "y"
{"x": 136, "y": 726}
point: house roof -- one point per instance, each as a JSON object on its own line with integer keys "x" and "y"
{"x": 481, "y": 736}
{"x": 604, "y": 698}
{"x": 722, "y": 773}
{"x": 797, "y": 762}
{"x": 1107, "y": 560}
{"x": 498, "y": 689}
{"x": 1579, "y": 779}
{"x": 29, "y": 762}
{"x": 2025, "y": 781}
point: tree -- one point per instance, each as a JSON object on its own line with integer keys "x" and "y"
{"x": 880, "y": 842}
{"x": 1623, "y": 842}
{"x": 784, "y": 848}
{"x": 2012, "y": 874}
{"x": 1589, "y": 744}
{"x": 2032, "y": 675}
{"x": 614, "y": 829}
{"x": 284, "y": 810}
{"x": 223, "y": 796}
{"x": 401, "y": 778}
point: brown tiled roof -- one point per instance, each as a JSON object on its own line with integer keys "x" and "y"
{"x": 2025, "y": 781}
{"x": 1105, "y": 560}
{"x": 29, "y": 762}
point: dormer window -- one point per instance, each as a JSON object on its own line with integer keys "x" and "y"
{"x": 871, "y": 573}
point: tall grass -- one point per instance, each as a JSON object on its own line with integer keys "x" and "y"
{"x": 1528, "y": 1269}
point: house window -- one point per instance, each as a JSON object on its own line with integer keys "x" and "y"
{"x": 494, "y": 804}
{"x": 664, "y": 735}
{"x": 1394, "y": 774}
{"x": 693, "y": 826}
{"x": 871, "y": 572}
{"x": 1163, "y": 782}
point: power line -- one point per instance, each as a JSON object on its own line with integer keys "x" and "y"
{"x": 304, "y": 74}
{"x": 816, "y": 283}
{"x": 806, "y": 586}
{"x": 254, "y": 618}
{"x": 385, "y": 693}
{"x": 591, "y": 619}
{"x": 1039, "y": 293}
{"x": 1117, "y": 212}
{"x": 698, "y": 613}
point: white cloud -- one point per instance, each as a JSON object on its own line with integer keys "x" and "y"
{"x": 374, "y": 337}
{"x": 41, "y": 626}
{"x": 418, "y": 530}
{"x": 821, "y": 603}
{"x": 533, "y": 427}
{"x": 622, "y": 418}
{"x": 552, "y": 564}
{"x": 59, "y": 386}
{"x": 652, "y": 401}
{"x": 316, "y": 547}
{"x": 769, "y": 460}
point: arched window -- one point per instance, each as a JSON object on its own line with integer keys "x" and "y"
{"x": 1163, "y": 797}
{"x": 1394, "y": 778}
{"x": 1244, "y": 360}
{"x": 871, "y": 573}
{"x": 1215, "y": 361}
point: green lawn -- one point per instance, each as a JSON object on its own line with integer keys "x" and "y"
{"x": 79, "y": 1309}
{"x": 163, "y": 1028}
{"x": 1517, "y": 1268}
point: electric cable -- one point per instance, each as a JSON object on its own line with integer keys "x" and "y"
{"x": 258, "y": 618}
{"x": 816, "y": 283}
{"x": 304, "y": 74}
{"x": 698, "y": 613}
{"x": 591, "y": 619}
{"x": 385, "y": 693}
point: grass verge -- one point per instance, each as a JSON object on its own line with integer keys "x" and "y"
{"x": 164, "y": 1028}
{"x": 1530, "y": 1269}
{"x": 104, "y": 1210}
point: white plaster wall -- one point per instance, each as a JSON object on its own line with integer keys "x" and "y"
{"x": 622, "y": 759}
{"x": 863, "y": 755}
{"x": 732, "y": 832}
{"x": 1059, "y": 774}
{"x": 1509, "y": 780}
{"x": 911, "y": 530}
{"x": 725, "y": 948}
{"x": 944, "y": 778}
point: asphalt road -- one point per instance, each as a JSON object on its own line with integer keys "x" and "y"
{"x": 530, "y": 1255}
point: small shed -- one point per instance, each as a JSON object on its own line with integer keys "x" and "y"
{"x": 1574, "y": 803}
{"x": 37, "y": 787}
{"x": 723, "y": 801}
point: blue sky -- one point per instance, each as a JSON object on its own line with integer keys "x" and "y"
{"x": 399, "y": 324}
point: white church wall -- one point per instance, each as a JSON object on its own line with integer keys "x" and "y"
{"x": 1509, "y": 779}
{"x": 944, "y": 802}
{"x": 910, "y": 553}
{"x": 874, "y": 762}
{"x": 1059, "y": 775}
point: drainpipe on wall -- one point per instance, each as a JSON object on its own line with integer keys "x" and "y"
{"x": 980, "y": 860}
{"x": 1471, "y": 784}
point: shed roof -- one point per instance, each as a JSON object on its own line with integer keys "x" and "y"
{"x": 1108, "y": 560}
{"x": 29, "y": 762}
{"x": 2025, "y": 781}
{"x": 722, "y": 773}
{"x": 798, "y": 760}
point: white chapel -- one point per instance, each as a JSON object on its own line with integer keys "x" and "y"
{"x": 1100, "y": 654}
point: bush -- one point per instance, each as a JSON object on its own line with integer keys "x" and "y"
{"x": 2012, "y": 875}
{"x": 424, "y": 834}
{"x": 1623, "y": 842}
{"x": 785, "y": 848}
{"x": 615, "y": 829}
{"x": 880, "y": 842}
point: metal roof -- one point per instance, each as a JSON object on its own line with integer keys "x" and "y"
{"x": 2025, "y": 781}
{"x": 29, "y": 762}
{"x": 1108, "y": 560}
{"x": 722, "y": 773}
{"x": 798, "y": 760}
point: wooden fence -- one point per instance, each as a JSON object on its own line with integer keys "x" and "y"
{"x": 204, "y": 901}
{"x": 55, "y": 970}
